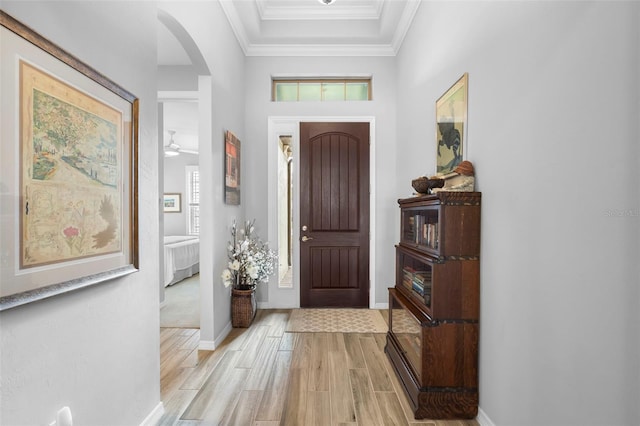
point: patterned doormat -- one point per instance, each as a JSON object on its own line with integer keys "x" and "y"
{"x": 336, "y": 321}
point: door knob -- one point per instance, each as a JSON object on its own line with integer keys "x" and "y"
{"x": 304, "y": 227}
{"x": 305, "y": 238}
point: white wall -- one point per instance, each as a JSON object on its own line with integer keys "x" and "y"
{"x": 553, "y": 134}
{"x": 95, "y": 350}
{"x": 221, "y": 108}
{"x": 259, "y": 107}
{"x": 175, "y": 181}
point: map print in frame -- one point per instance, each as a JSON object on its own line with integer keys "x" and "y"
{"x": 71, "y": 161}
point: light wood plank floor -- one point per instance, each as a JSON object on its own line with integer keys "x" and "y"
{"x": 262, "y": 376}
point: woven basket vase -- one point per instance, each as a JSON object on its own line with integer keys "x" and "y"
{"x": 243, "y": 307}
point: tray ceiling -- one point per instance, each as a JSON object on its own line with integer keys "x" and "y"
{"x": 310, "y": 28}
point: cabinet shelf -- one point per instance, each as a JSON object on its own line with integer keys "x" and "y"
{"x": 434, "y": 306}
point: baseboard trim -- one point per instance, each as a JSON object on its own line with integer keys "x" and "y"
{"x": 207, "y": 345}
{"x": 483, "y": 419}
{"x": 381, "y": 306}
{"x": 225, "y": 332}
{"x": 154, "y": 416}
{"x": 211, "y": 345}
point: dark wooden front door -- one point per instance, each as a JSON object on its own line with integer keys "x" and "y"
{"x": 334, "y": 215}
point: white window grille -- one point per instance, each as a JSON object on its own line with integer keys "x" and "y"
{"x": 193, "y": 200}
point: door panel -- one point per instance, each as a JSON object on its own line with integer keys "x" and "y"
{"x": 334, "y": 208}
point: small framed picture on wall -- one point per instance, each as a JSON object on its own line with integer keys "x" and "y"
{"x": 172, "y": 203}
{"x": 232, "y": 169}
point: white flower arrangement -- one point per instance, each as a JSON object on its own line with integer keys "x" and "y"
{"x": 251, "y": 261}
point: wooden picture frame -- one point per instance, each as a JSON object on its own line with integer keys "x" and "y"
{"x": 172, "y": 203}
{"x": 231, "y": 169}
{"x": 68, "y": 182}
{"x": 451, "y": 126}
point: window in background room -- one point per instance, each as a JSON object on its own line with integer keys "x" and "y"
{"x": 334, "y": 89}
{"x": 193, "y": 200}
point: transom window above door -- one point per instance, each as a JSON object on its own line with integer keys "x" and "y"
{"x": 309, "y": 90}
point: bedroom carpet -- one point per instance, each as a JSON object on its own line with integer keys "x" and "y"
{"x": 182, "y": 304}
{"x": 336, "y": 321}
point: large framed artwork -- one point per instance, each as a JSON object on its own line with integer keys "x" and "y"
{"x": 68, "y": 182}
{"x": 451, "y": 126}
{"x": 231, "y": 169}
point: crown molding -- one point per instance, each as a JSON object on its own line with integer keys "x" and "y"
{"x": 319, "y": 50}
{"x": 250, "y": 48}
{"x": 404, "y": 24}
{"x": 236, "y": 24}
{"x": 317, "y": 11}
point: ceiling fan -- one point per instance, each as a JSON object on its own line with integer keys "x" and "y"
{"x": 173, "y": 148}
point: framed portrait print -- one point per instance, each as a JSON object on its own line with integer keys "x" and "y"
{"x": 231, "y": 169}
{"x": 451, "y": 126}
{"x": 172, "y": 203}
{"x": 68, "y": 183}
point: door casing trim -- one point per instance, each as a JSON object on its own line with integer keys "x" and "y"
{"x": 289, "y": 298}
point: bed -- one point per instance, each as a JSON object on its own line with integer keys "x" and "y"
{"x": 181, "y": 258}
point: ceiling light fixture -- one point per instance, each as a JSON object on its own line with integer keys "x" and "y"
{"x": 327, "y": 2}
{"x": 172, "y": 149}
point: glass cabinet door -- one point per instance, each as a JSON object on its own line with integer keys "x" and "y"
{"x": 421, "y": 228}
{"x": 407, "y": 330}
{"x": 415, "y": 274}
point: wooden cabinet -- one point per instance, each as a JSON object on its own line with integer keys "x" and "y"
{"x": 434, "y": 307}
